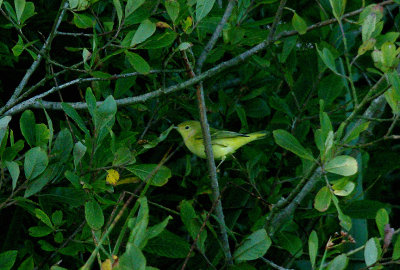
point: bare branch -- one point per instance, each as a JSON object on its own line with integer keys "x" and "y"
{"x": 39, "y": 58}
{"x": 215, "y": 36}
{"x": 34, "y": 101}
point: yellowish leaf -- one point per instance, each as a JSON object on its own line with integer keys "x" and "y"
{"x": 112, "y": 177}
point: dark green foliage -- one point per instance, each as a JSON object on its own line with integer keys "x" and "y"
{"x": 91, "y": 167}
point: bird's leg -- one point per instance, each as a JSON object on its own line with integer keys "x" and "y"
{"x": 222, "y": 160}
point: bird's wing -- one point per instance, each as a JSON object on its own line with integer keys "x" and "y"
{"x": 220, "y": 135}
{"x": 224, "y": 134}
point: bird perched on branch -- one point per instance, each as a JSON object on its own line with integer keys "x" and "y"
{"x": 224, "y": 143}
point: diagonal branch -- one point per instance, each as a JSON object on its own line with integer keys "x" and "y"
{"x": 203, "y": 56}
{"x": 39, "y": 58}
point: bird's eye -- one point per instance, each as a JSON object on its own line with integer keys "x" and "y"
{"x": 187, "y": 127}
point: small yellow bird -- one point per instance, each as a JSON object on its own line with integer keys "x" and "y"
{"x": 223, "y": 142}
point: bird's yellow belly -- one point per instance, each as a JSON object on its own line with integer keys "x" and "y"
{"x": 219, "y": 150}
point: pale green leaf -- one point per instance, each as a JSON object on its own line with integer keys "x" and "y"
{"x": 342, "y": 165}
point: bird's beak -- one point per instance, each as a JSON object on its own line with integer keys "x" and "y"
{"x": 175, "y": 127}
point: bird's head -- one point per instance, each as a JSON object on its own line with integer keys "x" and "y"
{"x": 188, "y": 128}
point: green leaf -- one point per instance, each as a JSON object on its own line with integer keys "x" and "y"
{"x": 71, "y": 112}
{"x": 7, "y": 259}
{"x": 161, "y": 40}
{"x": 339, "y": 262}
{"x": 389, "y": 54}
{"x": 292, "y": 243}
{"x": 43, "y": 217}
{"x": 342, "y": 165}
{"x": 56, "y": 217}
{"x": 91, "y": 102}
{"x": 132, "y": 259}
{"x": 192, "y": 223}
{"x": 105, "y": 117}
{"x": 372, "y": 251}
{"x": 3, "y": 127}
{"x": 323, "y": 199}
{"x": 338, "y": 7}
{"x": 288, "y": 45}
{"x": 394, "y": 80}
{"x": 132, "y": 5}
{"x": 145, "y": 30}
{"x": 172, "y": 7}
{"x": 118, "y": 9}
{"x": 63, "y": 145}
{"x": 36, "y": 161}
{"x": 94, "y": 215}
{"x": 19, "y": 8}
{"x": 29, "y": 11}
{"x": 123, "y": 156}
{"x": 73, "y": 178}
{"x": 159, "y": 139}
{"x": 78, "y": 153}
{"x": 328, "y": 59}
{"x": 356, "y": 131}
{"x": 253, "y": 246}
{"x": 51, "y": 129}
{"x": 313, "y": 247}
{"x": 330, "y": 88}
{"x": 368, "y": 26}
{"x": 299, "y": 24}
{"x": 345, "y": 221}
{"x": 161, "y": 245}
{"x": 37, "y": 184}
{"x": 40, "y": 231}
{"x": 13, "y": 168}
{"x": 83, "y": 21}
{"x": 366, "y": 46}
{"x": 123, "y": 86}
{"x": 286, "y": 140}
{"x": 27, "y": 124}
{"x": 27, "y": 264}
{"x": 382, "y": 218}
{"x": 393, "y": 99}
{"x": 42, "y": 135}
{"x": 143, "y": 171}
{"x": 203, "y": 7}
{"x": 137, "y": 62}
{"x": 155, "y": 230}
{"x": 396, "y": 249}
{"x": 343, "y": 187}
{"x": 139, "y": 226}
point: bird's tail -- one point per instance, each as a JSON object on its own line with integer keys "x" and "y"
{"x": 259, "y": 134}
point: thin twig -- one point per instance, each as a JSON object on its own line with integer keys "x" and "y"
{"x": 200, "y": 231}
{"x": 203, "y": 56}
{"x": 39, "y": 58}
{"x": 274, "y": 265}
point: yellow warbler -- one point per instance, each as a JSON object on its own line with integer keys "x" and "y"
{"x": 223, "y": 142}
